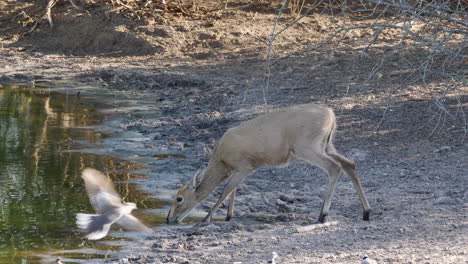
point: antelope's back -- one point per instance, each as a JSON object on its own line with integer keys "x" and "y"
{"x": 268, "y": 139}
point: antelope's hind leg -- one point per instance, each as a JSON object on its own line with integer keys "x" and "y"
{"x": 230, "y": 210}
{"x": 333, "y": 170}
{"x": 319, "y": 158}
{"x": 350, "y": 168}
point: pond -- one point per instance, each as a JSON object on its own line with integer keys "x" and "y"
{"x": 40, "y": 185}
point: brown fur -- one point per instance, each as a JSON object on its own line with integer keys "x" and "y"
{"x": 305, "y": 132}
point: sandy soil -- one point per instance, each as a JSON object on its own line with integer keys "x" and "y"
{"x": 184, "y": 83}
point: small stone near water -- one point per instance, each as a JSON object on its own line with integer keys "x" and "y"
{"x": 5, "y": 79}
{"x": 358, "y": 155}
{"x": 58, "y": 261}
{"x": 444, "y": 200}
{"x": 367, "y": 260}
{"x": 443, "y": 149}
{"x": 284, "y": 208}
{"x": 286, "y": 217}
{"x": 287, "y": 198}
{"x": 273, "y": 257}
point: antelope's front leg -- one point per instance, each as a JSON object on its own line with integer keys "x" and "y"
{"x": 230, "y": 210}
{"x": 208, "y": 217}
{"x": 230, "y": 188}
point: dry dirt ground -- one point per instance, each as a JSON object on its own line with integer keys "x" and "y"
{"x": 184, "y": 82}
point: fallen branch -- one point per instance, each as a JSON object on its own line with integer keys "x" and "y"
{"x": 303, "y": 229}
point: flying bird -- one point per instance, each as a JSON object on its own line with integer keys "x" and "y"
{"x": 367, "y": 260}
{"x": 109, "y": 206}
{"x": 58, "y": 261}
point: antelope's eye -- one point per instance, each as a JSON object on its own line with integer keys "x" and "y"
{"x": 179, "y": 199}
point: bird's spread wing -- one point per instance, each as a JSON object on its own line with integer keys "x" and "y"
{"x": 130, "y": 222}
{"x": 100, "y": 190}
{"x": 96, "y": 225}
{"x": 108, "y": 203}
{"x": 104, "y": 202}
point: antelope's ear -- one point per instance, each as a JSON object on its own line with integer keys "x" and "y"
{"x": 197, "y": 178}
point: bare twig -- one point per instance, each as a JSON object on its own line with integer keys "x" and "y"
{"x": 73, "y": 4}
{"x": 399, "y": 5}
{"x": 48, "y": 13}
{"x": 32, "y": 28}
{"x": 465, "y": 123}
{"x": 273, "y": 35}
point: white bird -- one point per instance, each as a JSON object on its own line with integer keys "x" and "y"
{"x": 107, "y": 202}
{"x": 273, "y": 257}
{"x": 58, "y": 261}
{"x": 367, "y": 260}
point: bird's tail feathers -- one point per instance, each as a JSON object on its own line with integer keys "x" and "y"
{"x": 83, "y": 221}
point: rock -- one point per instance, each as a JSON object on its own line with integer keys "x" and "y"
{"x": 161, "y": 33}
{"x": 204, "y": 36}
{"x": 358, "y": 155}
{"x": 286, "y": 217}
{"x": 402, "y": 173}
{"x": 284, "y": 208}
{"x": 157, "y": 136}
{"x": 19, "y": 76}
{"x": 182, "y": 28}
{"x": 443, "y": 149}
{"x": 5, "y": 79}
{"x": 203, "y": 55}
{"x": 444, "y": 200}
{"x": 287, "y": 198}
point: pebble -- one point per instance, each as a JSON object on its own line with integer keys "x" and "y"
{"x": 287, "y": 198}
{"x": 444, "y": 200}
{"x": 443, "y": 149}
{"x": 358, "y": 155}
{"x": 283, "y": 207}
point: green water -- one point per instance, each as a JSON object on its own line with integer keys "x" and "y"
{"x": 40, "y": 185}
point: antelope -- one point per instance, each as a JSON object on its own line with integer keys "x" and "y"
{"x": 276, "y": 138}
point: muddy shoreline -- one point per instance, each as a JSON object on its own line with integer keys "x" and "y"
{"x": 415, "y": 187}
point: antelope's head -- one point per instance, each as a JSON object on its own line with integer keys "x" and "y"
{"x": 186, "y": 199}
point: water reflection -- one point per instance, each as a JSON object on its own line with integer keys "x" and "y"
{"x": 40, "y": 186}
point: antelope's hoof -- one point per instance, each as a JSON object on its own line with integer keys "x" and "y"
{"x": 365, "y": 216}
{"x": 207, "y": 219}
{"x": 322, "y": 218}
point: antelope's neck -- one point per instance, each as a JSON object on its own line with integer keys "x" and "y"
{"x": 216, "y": 172}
